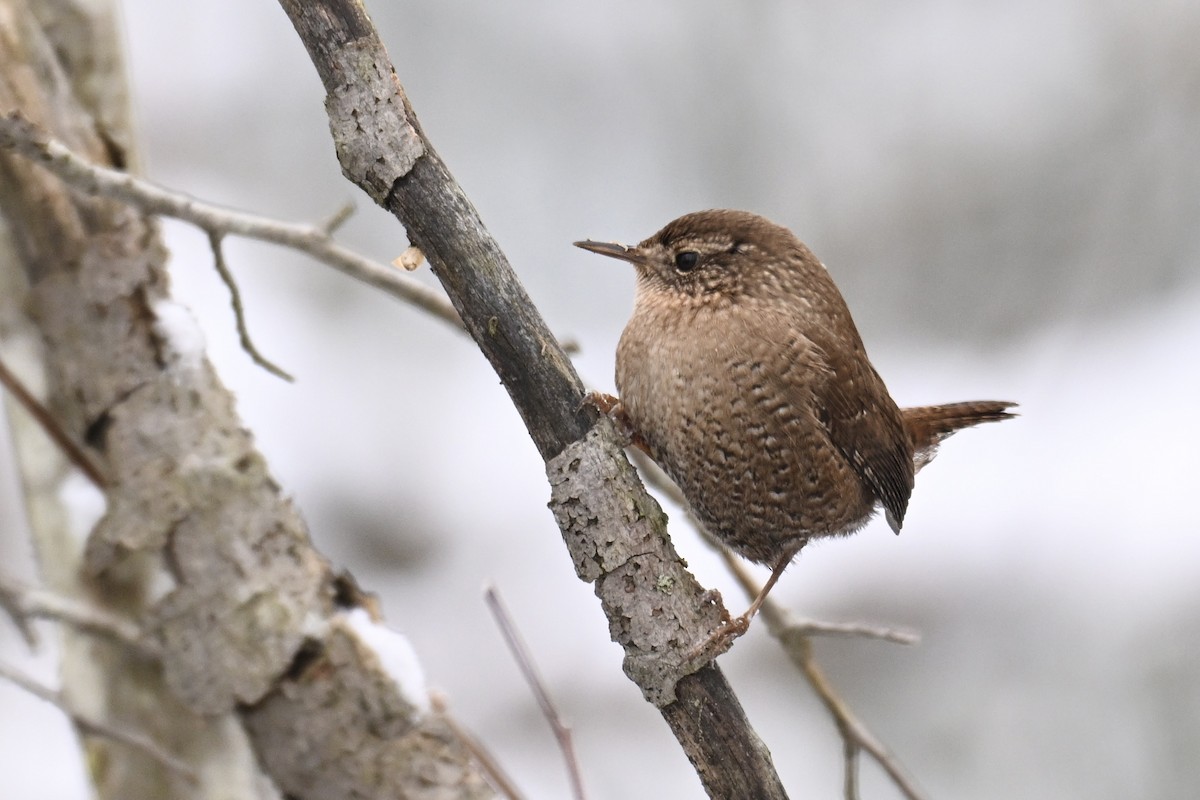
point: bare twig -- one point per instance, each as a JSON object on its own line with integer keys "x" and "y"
{"x": 499, "y": 779}
{"x": 806, "y": 627}
{"x": 855, "y": 734}
{"x": 10, "y": 601}
{"x": 239, "y": 311}
{"x": 21, "y": 136}
{"x": 850, "y": 752}
{"x": 858, "y": 630}
{"x": 26, "y": 603}
{"x": 91, "y": 727}
{"x": 516, "y": 645}
{"x": 53, "y": 429}
{"x": 797, "y": 643}
{"x": 337, "y": 219}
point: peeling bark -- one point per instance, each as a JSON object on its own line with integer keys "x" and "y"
{"x": 248, "y": 634}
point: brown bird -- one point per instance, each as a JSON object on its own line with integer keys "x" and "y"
{"x": 742, "y": 374}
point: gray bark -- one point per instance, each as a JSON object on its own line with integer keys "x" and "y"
{"x": 249, "y": 639}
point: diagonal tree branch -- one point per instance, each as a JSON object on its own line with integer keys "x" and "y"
{"x": 614, "y": 530}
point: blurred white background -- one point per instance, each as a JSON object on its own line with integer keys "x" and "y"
{"x": 1007, "y": 195}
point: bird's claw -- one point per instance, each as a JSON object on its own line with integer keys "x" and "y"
{"x": 611, "y": 407}
{"x": 601, "y": 401}
{"x": 719, "y": 640}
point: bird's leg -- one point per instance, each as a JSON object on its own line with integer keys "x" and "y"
{"x": 776, "y": 572}
{"x": 614, "y": 409}
{"x": 719, "y": 640}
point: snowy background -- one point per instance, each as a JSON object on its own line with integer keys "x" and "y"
{"x": 1007, "y": 195}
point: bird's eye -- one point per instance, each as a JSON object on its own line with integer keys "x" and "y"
{"x": 687, "y": 260}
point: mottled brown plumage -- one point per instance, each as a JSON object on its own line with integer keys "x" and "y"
{"x": 743, "y": 375}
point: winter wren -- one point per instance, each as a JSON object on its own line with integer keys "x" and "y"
{"x": 742, "y": 374}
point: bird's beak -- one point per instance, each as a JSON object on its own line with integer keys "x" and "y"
{"x": 613, "y": 250}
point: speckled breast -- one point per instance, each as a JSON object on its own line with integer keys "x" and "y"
{"x": 723, "y": 398}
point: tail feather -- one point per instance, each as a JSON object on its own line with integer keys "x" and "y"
{"x": 929, "y": 425}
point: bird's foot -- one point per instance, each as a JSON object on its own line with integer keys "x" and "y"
{"x": 601, "y": 401}
{"x": 720, "y": 640}
{"x": 614, "y": 409}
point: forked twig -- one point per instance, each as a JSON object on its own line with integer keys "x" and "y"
{"x": 21, "y": 136}
{"x": 562, "y": 732}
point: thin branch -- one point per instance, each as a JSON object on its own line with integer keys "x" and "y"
{"x": 857, "y": 630}
{"x": 520, "y": 652}
{"x": 51, "y": 426}
{"x": 850, "y": 752}
{"x": 855, "y": 735}
{"x": 809, "y": 627}
{"x": 26, "y": 603}
{"x": 10, "y": 601}
{"x": 90, "y": 727}
{"x": 330, "y": 224}
{"x": 499, "y": 779}
{"x": 239, "y": 311}
{"x": 23, "y": 137}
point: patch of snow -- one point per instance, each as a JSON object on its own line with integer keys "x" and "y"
{"x": 396, "y": 656}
